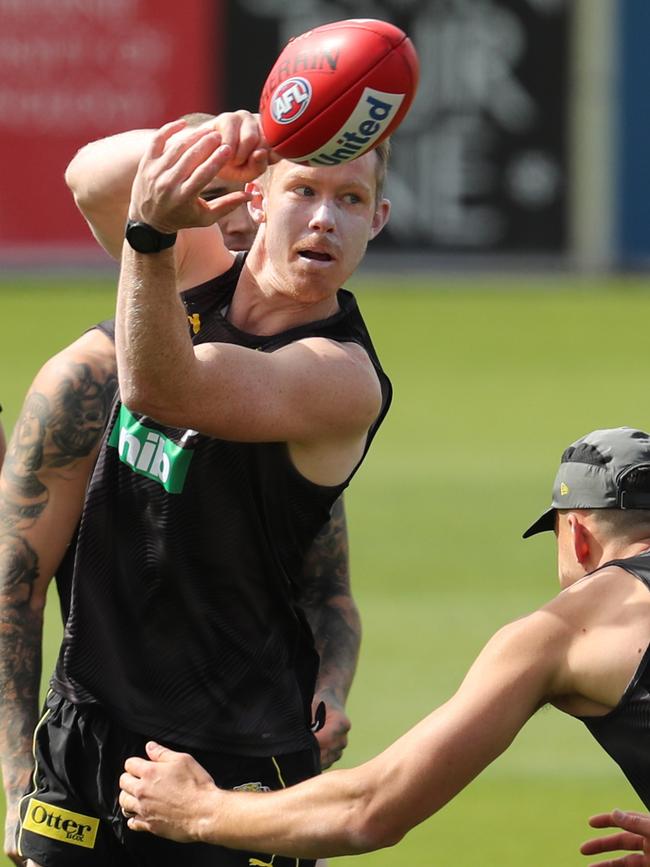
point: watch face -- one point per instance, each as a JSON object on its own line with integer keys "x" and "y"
{"x": 146, "y": 239}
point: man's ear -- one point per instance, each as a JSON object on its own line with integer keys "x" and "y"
{"x": 380, "y": 218}
{"x": 256, "y": 206}
{"x": 581, "y": 539}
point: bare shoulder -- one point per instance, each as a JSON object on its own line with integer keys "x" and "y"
{"x": 607, "y": 619}
{"x": 602, "y": 596}
{"x": 345, "y": 367}
{"x": 93, "y": 347}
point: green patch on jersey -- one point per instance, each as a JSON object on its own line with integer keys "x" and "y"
{"x": 150, "y": 453}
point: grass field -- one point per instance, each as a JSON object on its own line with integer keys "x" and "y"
{"x": 493, "y": 378}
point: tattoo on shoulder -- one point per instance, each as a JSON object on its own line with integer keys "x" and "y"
{"x": 80, "y": 412}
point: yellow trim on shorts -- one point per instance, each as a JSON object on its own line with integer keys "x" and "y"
{"x": 255, "y": 862}
{"x": 29, "y": 794}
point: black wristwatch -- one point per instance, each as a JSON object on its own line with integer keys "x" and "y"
{"x": 145, "y": 239}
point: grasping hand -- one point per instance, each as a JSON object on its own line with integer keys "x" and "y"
{"x": 166, "y": 795}
{"x": 179, "y": 163}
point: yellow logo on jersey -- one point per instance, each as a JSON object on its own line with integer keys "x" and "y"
{"x": 195, "y": 322}
{"x": 58, "y": 824}
{"x": 564, "y": 489}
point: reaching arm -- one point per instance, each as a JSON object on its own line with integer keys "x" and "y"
{"x": 291, "y": 395}
{"x": 100, "y": 177}
{"x": 375, "y": 804}
{"x": 101, "y": 174}
{"x": 42, "y": 484}
{"x": 334, "y": 619}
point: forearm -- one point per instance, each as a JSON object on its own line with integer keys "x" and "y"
{"x": 100, "y": 177}
{"x": 101, "y": 174}
{"x": 324, "y": 817}
{"x": 20, "y": 674}
{"x": 154, "y": 352}
{"x": 330, "y": 608}
{"x": 337, "y": 635}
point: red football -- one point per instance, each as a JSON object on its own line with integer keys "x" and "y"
{"x": 336, "y": 91}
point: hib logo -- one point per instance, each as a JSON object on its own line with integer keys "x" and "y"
{"x": 150, "y": 453}
{"x": 290, "y": 100}
{"x": 59, "y": 824}
{"x": 370, "y": 119}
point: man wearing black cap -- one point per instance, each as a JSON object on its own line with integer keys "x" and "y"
{"x": 586, "y": 651}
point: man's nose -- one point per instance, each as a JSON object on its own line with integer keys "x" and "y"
{"x": 323, "y": 217}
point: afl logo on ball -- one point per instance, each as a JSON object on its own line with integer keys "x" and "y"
{"x": 290, "y": 99}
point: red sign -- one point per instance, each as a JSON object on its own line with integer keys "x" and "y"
{"x": 76, "y": 70}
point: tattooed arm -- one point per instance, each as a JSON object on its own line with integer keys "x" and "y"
{"x": 334, "y": 619}
{"x": 42, "y": 484}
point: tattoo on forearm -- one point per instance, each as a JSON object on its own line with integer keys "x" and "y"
{"x": 20, "y": 658}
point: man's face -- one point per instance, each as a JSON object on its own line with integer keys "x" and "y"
{"x": 237, "y": 228}
{"x": 317, "y": 222}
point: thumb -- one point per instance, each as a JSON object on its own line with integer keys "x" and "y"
{"x": 158, "y": 753}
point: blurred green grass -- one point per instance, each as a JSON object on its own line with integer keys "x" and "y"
{"x": 493, "y": 377}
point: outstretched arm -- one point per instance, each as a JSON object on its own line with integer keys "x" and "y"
{"x": 634, "y": 836}
{"x": 375, "y": 804}
{"x": 334, "y": 619}
{"x": 42, "y": 484}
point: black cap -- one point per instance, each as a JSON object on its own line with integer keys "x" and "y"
{"x": 595, "y": 473}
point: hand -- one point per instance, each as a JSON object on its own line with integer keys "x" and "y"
{"x": 164, "y": 796}
{"x": 333, "y": 737}
{"x": 635, "y": 836}
{"x": 11, "y": 832}
{"x": 177, "y": 166}
{"x": 250, "y": 154}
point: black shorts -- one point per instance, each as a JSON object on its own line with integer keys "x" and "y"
{"x": 71, "y": 815}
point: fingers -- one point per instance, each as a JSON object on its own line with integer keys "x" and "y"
{"x": 603, "y": 820}
{"x": 136, "y": 767}
{"x": 242, "y": 131}
{"x": 128, "y": 803}
{"x": 137, "y": 824}
{"x": 639, "y": 823}
{"x": 622, "y": 840}
{"x": 160, "y": 138}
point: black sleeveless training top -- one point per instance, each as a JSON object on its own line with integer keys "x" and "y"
{"x": 183, "y": 620}
{"x": 624, "y": 732}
